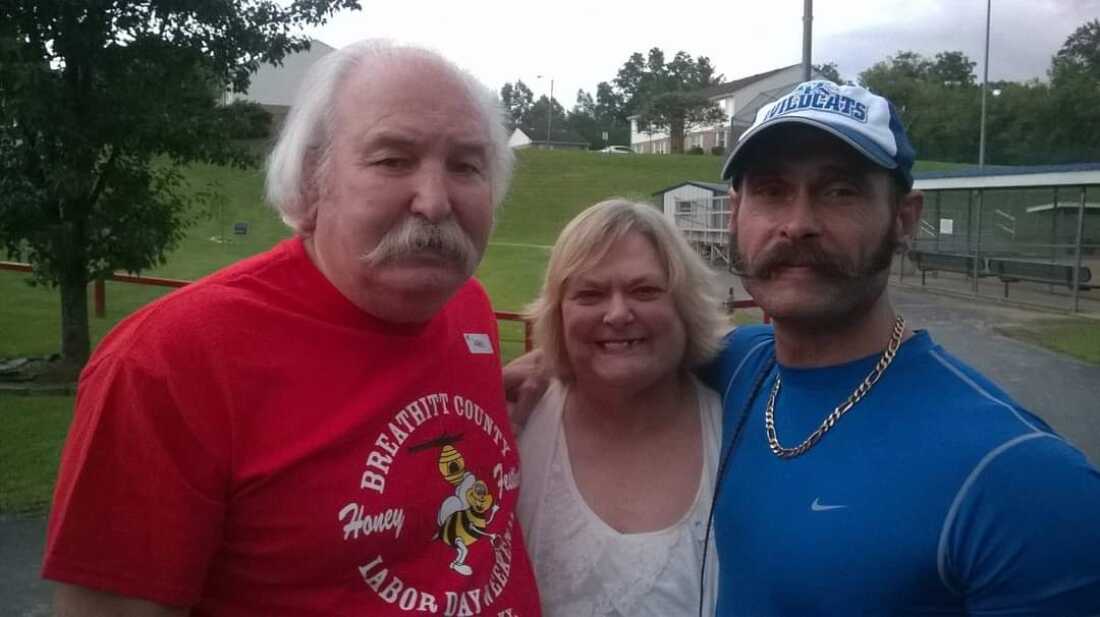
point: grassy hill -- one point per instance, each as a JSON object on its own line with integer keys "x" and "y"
{"x": 549, "y": 188}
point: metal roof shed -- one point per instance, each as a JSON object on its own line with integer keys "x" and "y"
{"x": 1034, "y": 214}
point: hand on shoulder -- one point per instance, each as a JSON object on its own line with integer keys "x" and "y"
{"x": 525, "y": 381}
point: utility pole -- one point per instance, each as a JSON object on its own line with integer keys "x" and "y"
{"x": 549, "y": 111}
{"x": 550, "y": 114}
{"x": 985, "y": 86}
{"x": 807, "y": 39}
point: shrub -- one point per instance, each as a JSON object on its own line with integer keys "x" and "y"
{"x": 247, "y": 120}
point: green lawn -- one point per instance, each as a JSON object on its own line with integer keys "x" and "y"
{"x": 32, "y": 432}
{"x": 551, "y": 187}
{"x": 1079, "y": 338}
{"x": 548, "y": 189}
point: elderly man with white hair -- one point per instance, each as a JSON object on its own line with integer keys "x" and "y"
{"x": 320, "y": 429}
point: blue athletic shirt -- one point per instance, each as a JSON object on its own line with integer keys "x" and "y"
{"x": 935, "y": 495}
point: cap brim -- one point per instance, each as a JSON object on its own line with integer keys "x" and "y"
{"x": 861, "y": 144}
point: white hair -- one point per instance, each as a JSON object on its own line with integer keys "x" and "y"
{"x": 306, "y": 135}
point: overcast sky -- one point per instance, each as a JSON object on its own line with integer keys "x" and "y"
{"x": 582, "y": 42}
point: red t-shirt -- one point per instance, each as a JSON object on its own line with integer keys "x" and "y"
{"x": 254, "y": 444}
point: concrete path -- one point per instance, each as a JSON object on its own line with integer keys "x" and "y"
{"x": 22, "y": 592}
{"x": 1061, "y": 390}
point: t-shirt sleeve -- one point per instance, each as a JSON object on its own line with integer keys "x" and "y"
{"x": 141, "y": 491}
{"x": 711, "y": 372}
{"x": 1024, "y": 538}
{"x": 735, "y": 348}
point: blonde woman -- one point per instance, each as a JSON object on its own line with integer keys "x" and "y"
{"x": 620, "y": 453}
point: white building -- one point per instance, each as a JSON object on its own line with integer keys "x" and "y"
{"x": 533, "y": 138}
{"x": 701, "y": 211}
{"x": 275, "y": 87}
{"x": 739, "y": 99}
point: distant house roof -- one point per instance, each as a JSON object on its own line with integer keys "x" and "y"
{"x": 1003, "y": 176}
{"x": 277, "y": 85}
{"x": 730, "y": 87}
{"x": 715, "y": 187}
{"x": 733, "y": 86}
{"x": 557, "y": 136}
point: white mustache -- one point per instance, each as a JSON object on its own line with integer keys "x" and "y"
{"x": 414, "y": 235}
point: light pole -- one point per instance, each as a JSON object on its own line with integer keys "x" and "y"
{"x": 807, "y": 39}
{"x": 985, "y": 86}
{"x": 549, "y": 113}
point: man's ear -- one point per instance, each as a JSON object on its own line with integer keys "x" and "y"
{"x": 735, "y": 205}
{"x": 908, "y": 218}
{"x": 310, "y": 193}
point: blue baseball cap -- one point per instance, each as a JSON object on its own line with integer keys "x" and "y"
{"x": 865, "y": 121}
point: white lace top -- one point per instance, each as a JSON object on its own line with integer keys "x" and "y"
{"x": 586, "y": 568}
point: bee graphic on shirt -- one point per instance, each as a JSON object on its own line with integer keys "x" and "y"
{"x": 464, "y": 515}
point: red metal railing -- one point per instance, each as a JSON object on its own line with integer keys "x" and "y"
{"x": 736, "y": 304}
{"x": 99, "y": 294}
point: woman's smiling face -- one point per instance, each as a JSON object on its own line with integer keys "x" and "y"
{"x": 620, "y": 321}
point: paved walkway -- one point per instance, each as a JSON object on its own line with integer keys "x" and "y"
{"x": 1061, "y": 390}
{"x": 22, "y": 592}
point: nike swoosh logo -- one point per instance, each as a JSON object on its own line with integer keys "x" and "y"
{"x": 817, "y": 506}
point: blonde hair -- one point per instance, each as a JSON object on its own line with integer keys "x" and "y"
{"x": 586, "y": 240}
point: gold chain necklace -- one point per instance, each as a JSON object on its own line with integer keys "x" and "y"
{"x": 841, "y": 409}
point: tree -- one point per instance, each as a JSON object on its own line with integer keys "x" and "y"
{"x": 829, "y": 71}
{"x": 585, "y": 105}
{"x": 517, "y": 100}
{"x": 952, "y": 68}
{"x": 676, "y": 111}
{"x": 938, "y": 100}
{"x": 610, "y": 105}
{"x": 582, "y": 120}
{"x": 592, "y": 120}
{"x": 897, "y": 78}
{"x": 101, "y": 102}
{"x": 1080, "y": 52}
{"x": 535, "y": 124}
{"x": 1016, "y": 132}
{"x": 1072, "y": 116}
{"x": 666, "y": 95}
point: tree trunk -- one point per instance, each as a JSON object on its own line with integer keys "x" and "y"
{"x": 73, "y": 283}
{"x": 676, "y": 135}
{"x": 75, "y": 342}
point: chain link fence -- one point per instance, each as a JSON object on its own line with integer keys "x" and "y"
{"x": 1029, "y": 245}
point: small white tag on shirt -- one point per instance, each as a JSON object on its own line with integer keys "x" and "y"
{"x": 478, "y": 343}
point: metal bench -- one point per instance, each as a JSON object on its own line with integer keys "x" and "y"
{"x": 929, "y": 261}
{"x": 1014, "y": 270}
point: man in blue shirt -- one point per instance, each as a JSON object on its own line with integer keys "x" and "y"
{"x": 865, "y": 469}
